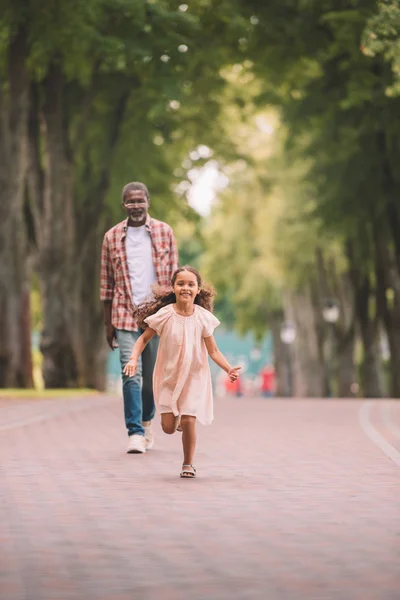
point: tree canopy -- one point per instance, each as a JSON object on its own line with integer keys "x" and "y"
{"x": 297, "y": 103}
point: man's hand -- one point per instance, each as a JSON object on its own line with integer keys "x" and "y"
{"x": 233, "y": 373}
{"x": 111, "y": 336}
{"x": 131, "y": 367}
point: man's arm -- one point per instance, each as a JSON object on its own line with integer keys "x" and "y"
{"x": 173, "y": 254}
{"x": 107, "y": 291}
{"x": 110, "y": 329}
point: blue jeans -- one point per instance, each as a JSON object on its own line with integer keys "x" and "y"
{"x": 137, "y": 390}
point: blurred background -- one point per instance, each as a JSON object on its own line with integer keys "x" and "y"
{"x": 268, "y": 135}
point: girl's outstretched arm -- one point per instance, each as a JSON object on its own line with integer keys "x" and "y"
{"x": 140, "y": 345}
{"x": 220, "y": 359}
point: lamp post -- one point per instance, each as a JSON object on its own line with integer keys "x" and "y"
{"x": 288, "y": 336}
{"x": 330, "y": 313}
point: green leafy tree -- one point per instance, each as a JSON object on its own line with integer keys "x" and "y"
{"x": 334, "y": 102}
{"x": 115, "y": 92}
{"x": 381, "y": 37}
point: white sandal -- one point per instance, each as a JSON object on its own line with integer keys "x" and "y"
{"x": 188, "y": 474}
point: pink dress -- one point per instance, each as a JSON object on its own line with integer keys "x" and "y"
{"x": 182, "y": 379}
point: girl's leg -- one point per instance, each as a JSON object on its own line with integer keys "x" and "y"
{"x": 189, "y": 438}
{"x": 169, "y": 422}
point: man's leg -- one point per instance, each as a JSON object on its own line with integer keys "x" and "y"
{"x": 149, "y": 356}
{"x": 131, "y": 386}
{"x": 148, "y": 361}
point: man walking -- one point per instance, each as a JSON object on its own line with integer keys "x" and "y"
{"x": 136, "y": 253}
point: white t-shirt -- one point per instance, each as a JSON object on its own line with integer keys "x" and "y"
{"x": 142, "y": 273}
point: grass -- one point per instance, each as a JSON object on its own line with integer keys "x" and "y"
{"x": 49, "y": 393}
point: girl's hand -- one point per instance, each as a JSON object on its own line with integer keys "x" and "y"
{"x": 233, "y": 373}
{"x": 131, "y": 367}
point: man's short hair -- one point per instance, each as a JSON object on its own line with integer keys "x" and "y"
{"x": 133, "y": 186}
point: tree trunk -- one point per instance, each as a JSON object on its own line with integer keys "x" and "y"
{"x": 90, "y": 231}
{"x": 91, "y": 321}
{"x": 388, "y": 257}
{"x": 371, "y": 368}
{"x": 388, "y": 280}
{"x": 336, "y": 340}
{"x": 308, "y": 373}
{"x": 371, "y": 372}
{"x": 15, "y": 348}
{"x": 52, "y": 196}
{"x": 346, "y": 367}
{"x": 345, "y": 333}
{"x": 394, "y": 344}
{"x": 281, "y": 356}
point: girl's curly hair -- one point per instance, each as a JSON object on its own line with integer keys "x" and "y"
{"x": 162, "y": 296}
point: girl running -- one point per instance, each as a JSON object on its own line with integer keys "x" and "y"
{"x": 182, "y": 381}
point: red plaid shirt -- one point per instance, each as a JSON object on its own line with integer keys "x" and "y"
{"x": 114, "y": 279}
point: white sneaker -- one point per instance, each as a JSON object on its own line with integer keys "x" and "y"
{"x": 149, "y": 437}
{"x": 136, "y": 444}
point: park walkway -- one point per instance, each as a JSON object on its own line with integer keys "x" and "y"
{"x": 294, "y": 500}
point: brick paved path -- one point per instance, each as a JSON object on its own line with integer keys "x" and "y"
{"x": 294, "y": 500}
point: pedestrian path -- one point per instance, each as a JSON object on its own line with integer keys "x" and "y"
{"x": 294, "y": 500}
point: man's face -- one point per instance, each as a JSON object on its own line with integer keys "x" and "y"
{"x": 136, "y": 205}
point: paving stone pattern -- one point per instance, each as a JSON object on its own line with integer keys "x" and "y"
{"x": 292, "y": 501}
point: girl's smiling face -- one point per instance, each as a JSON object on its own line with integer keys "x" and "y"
{"x": 186, "y": 287}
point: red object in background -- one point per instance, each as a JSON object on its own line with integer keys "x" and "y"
{"x": 233, "y": 387}
{"x": 268, "y": 378}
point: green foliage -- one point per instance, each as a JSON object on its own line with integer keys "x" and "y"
{"x": 262, "y": 237}
{"x": 333, "y": 101}
{"x": 140, "y": 84}
{"x": 382, "y": 37}
{"x": 334, "y": 175}
{"x": 146, "y": 81}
